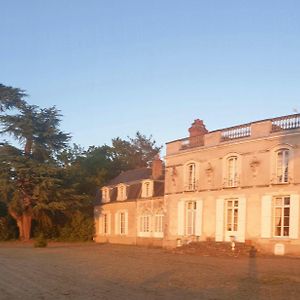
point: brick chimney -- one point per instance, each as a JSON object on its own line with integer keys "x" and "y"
{"x": 157, "y": 168}
{"x": 197, "y": 132}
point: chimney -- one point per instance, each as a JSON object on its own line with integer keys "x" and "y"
{"x": 197, "y": 132}
{"x": 157, "y": 168}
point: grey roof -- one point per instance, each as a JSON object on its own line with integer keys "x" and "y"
{"x": 131, "y": 176}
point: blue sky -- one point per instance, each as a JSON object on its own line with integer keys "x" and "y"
{"x": 115, "y": 67}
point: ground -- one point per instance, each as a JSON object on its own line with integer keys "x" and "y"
{"x": 94, "y": 271}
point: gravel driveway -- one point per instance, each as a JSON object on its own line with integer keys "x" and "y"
{"x": 93, "y": 271}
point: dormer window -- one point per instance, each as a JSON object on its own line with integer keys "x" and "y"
{"x": 105, "y": 194}
{"x": 147, "y": 189}
{"x": 122, "y": 193}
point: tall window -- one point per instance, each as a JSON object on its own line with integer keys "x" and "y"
{"x": 147, "y": 189}
{"x": 105, "y": 224}
{"x": 122, "y": 223}
{"x": 282, "y": 166}
{"x": 232, "y": 209}
{"x": 158, "y": 223}
{"x": 191, "y": 176}
{"x": 232, "y": 171}
{"x": 281, "y": 215}
{"x": 190, "y": 218}
{"x": 145, "y": 223}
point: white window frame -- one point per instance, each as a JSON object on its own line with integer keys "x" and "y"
{"x": 145, "y": 225}
{"x": 121, "y": 192}
{"x": 191, "y": 172}
{"x": 105, "y": 194}
{"x": 147, "y": 189}
{"x": 158, "y": 221}
{"x": 282, "y": 168}
{"x": 190, "y": 218}
{"x": 121, "y": 222}
{"x": 232, "y": 177}
{"x": 105, "y": 223}
{"x": 285, "y": 203}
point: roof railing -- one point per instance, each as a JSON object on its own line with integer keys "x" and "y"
{"x": 286, "y": 123}
{"x": 236, "y": 132}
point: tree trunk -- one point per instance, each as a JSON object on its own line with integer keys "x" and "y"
{"x": 23, "y": 223}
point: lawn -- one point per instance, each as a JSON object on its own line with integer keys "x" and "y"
{"x": 93, "y": 271}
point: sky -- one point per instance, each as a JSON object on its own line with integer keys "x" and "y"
{"x": 117, "y": 67}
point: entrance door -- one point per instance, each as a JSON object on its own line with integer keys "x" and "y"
{"x": 231, "y": 218}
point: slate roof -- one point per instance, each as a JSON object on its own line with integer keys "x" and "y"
{"x": 131, "y": 176}
{"x": 133, "y": 180}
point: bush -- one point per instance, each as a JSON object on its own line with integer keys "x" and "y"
{"x": 79, "y": 228}
{"x": 40, "y": 242}
{"x": 8, "y": 229}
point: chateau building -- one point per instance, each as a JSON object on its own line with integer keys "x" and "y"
{"x": 240, "y": 183}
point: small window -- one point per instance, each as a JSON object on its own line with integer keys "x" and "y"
{"x": 281, "y": 216}
{"x": 105, "y": 194}
{"x": 282, "y": 166}
{"x": 147, "y": 189}
{"x": 122, "y": 195}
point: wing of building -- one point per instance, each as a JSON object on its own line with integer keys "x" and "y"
{"x": 240, "y": 183}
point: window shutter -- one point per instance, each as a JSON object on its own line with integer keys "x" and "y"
{"x": 117, "y": 229}
{"x": 266, "y": 216}
{"x": 126, "y": 222}
{"x": 180, "y": 218}
{"x": 242, "y": 219}
{"x": 108, "y": 223}
{"x": 198, "y": 229}
{"x": 219, "y": 219}
{"x": 294, "y": 217}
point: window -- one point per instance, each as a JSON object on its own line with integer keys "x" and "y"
{"x": 147, "y": 189}
{"x": 158, "y": 228}
{"x": 191, "y": 177}
{"x": 104, "y": 223}
{"x": 105, "y": 194}
{"x": 145, "y": 223}
{"x": 122, "y": 192}
{"x": 282, "y": 166}
{"x": 281, "y": 216}
{"x": 122, "y": 223}
{"x": 232, "y": 206}
{"x": 232, "y": 171}
{"x": 190, "y": 217}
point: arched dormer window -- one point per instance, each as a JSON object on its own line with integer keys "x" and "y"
{"x": 105, "y": 194}
{"x": 147, "y": 189}
{"x": 282, "y": 165}
{"x": 122, "y": 192}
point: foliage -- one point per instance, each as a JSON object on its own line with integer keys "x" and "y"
{"x": 40, "y": 242}
{"x": 49, "y": 184}
{"x": 80, "y": 227}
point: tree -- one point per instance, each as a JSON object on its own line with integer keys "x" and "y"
{"x": 29, "y": 176}
{"x": 10, "y": 97}
{"x": 135, "y": 152}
